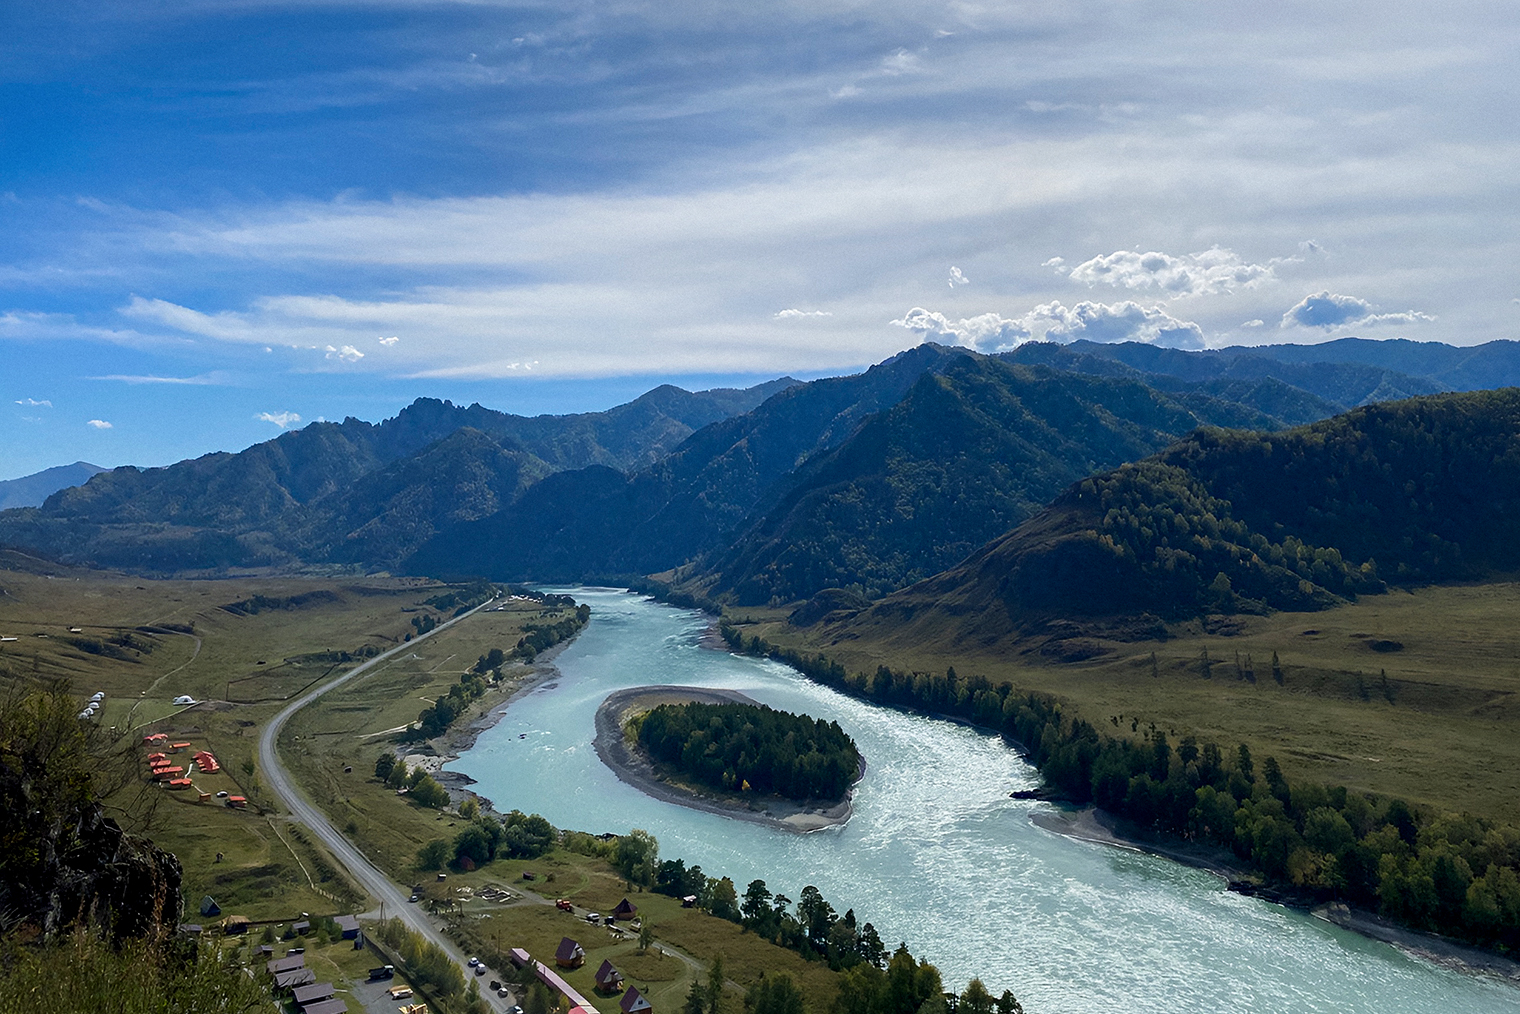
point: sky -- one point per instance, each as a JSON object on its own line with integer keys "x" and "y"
{"x": 224, "y": 218}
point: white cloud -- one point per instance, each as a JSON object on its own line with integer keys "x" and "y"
{"x": 901, "y": 62}
{"x": 1212, "y": 271}
{"x": 1328, "y": 310}
{"x": 388, "y": 342}
{"x": 347, "y": 354}
{"x": 1255, "y": 322}
{"x": 956, "y": 278}
{"x": 1113, "y": 322}
{"x": 1056, "y": 263}
{"x": 34, "y": 403}
{"x": 792, "y": 314}
{"x": 986, "y": 333}
{"x": 280, "y": 419}
{"x": 205, "y": 379}
{"x": 99, "y": 424}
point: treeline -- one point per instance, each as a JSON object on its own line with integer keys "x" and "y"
{"x": 484, "y": 838}
{"x": 1452, "y": 874}
{"x": 539, "y": 636}
{"x": 750, "y": 748}
{"x": 423, "y": 961}
{"x": 873, "y": 983}
{"x": 435, "y": 719}
{"x": 420, "y": 786}
{"x": 256, "y": 604}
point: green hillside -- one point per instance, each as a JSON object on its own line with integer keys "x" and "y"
{"x": 969, "y": 452}
{"x": 1221, "y": 522}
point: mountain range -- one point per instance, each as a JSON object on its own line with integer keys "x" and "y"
{"x": 939, "y": 474}
{"x": 33, "y": 490}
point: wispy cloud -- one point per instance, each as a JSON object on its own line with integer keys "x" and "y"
{"x": 388, "y": 342}
{"x": 99, "y": 424}
{"x": 280, "y": 419}
{"x": 795, "y": 314}
{"x": 214, "y": 378}
{"x": 35, "y": 403}
{"x": 347, "y": 354}
{"x": 1328, "y": 310}
{"x": 957, "y": 278}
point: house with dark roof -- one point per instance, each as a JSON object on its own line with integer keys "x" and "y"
{"x": 625, "y": 910}
{"x": 287, "y": 963}
{"x": 569, "y": 954}
{"x": 609, "y": 979}
{"x": 295, "y": 977}
{"x": 633, "y": 1002}
{"x": 304, "y": 995}
{"x": 348, "y": 924}
{"x": 209, "y": 906}
{"x": 325, "y": 1007}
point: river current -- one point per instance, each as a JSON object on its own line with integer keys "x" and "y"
{"x": 937, "y": 855}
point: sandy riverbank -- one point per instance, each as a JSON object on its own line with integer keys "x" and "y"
{"x": 637, "y": 771}
{"x": 1095, "y": 825}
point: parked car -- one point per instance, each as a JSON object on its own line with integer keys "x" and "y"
{"x": 593, "y": 918}
{"x": 564, "y": 906}
{"x": 474, "y": 962}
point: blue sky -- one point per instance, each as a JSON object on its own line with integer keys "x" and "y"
{"x": 218, "y": 218}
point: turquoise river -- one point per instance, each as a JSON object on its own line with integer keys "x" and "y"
{"x": 937, "y": 855}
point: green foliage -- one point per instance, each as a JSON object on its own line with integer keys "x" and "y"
{"x": 384, "y": 765}
{"x": 774, "y": 994}
{"x": 434, "y": 854}
{"x": 427, "y": 792}
{"x": 743, "y": 747}
{"x": 423, "y": 960}
{"x": 636, "y": 856}
{"x": 83, "y": 973}
{"x": 971, "y": 451}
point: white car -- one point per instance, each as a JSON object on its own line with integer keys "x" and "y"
{"x": 185, "y": 699}
{"x": 474, "y": 962}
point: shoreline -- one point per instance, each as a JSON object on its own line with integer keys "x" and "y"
{"x": 482, "y": 716}
{"x": 1092, "y": 824}
{"x": 639, "y": 772}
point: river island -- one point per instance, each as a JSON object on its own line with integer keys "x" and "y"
{"x": 634, "y": 767}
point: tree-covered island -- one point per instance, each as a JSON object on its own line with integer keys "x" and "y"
{"x": 750, "y": 748}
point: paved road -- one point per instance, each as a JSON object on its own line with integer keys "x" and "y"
{"x": 380, "y": 887}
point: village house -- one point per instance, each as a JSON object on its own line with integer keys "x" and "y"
{"x": 569, "y": 954}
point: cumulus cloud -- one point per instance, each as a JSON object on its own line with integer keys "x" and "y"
{"x": 1210, "y": 272}
{"x": 99, "y": 424}
{"x": 986, "y": 333}
{"x": 1327, "y": 310}
{"x": 1113, "y": 322}
{"x": 280, "y": 419}
{"x": 1255, "y": 322}
{"x": 34, "y": 403}
{"x": 347, "y": 354}
{"x": 792, "y": 314}
{"x": 388, "y": 342}
{"x": 1098, "y": 322}
{"x": 956, "y": 278}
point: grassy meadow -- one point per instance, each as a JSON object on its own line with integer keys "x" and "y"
{"x": 1412, "y": 693}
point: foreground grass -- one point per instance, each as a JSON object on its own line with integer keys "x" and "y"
{"x": 1435, "y": 721}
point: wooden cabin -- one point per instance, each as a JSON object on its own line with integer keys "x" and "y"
{"x": 569, "y": 954}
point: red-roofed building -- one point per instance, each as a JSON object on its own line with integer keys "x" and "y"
{"x": 207, "y": 762}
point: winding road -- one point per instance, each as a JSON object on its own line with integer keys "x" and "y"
{"x": 380, "y": 887}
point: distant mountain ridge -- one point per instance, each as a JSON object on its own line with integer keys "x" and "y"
{"x": 32, "y": 490}
{"x": 299, "y": 498}
{"x": 859, "y": 484}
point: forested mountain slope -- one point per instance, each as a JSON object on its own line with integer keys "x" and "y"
{"x": 970, "y": 451}
{"x": 303, "y": 496}
{"x": 1424, "y": 489}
